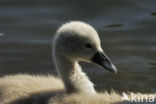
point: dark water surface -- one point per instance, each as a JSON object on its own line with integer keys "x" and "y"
{"x": 127, "y": 29}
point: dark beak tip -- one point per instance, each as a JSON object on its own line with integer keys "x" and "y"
{"x": 115, "y": 72}
{"x": 114, "y": 69}
{"x": 111, "y": 67}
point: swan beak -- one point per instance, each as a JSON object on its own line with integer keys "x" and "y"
{"x": 101, "y": 59}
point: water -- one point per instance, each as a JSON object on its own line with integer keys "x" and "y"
{"x": 127, "y": 29}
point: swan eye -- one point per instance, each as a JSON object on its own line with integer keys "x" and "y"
{"x": 88, "y": 45}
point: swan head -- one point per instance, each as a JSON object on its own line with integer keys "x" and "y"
{"x": 78, "y": 41}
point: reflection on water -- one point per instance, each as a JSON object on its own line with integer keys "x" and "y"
{"x": 153, "y": 66}
{"x": 153, "y": 13}
{"x": 1, "y": 34}
{"x": 114, "y": 25}
{"x": 126, "y": 28}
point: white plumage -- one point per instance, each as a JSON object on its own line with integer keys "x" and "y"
{"x": 74, "y": 41}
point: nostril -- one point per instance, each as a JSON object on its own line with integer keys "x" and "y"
{"x": 104, "y": 59}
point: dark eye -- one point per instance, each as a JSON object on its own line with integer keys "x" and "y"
{"x": 88, "y": 45}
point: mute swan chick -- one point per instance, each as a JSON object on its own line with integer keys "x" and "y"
{"x": 74, "y": 41}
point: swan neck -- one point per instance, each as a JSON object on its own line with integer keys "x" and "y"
{"x": 74, "y": 79}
